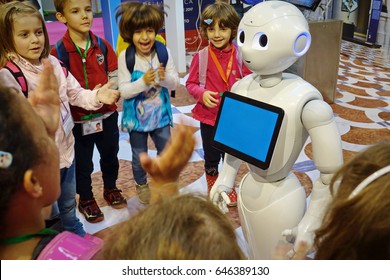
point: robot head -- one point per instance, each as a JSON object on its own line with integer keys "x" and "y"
{"x": 271, "y": 36}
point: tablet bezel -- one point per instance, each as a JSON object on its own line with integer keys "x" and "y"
{"x": 237, "y": 153}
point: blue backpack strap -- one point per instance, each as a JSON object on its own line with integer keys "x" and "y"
{"x": 161, "y": 50}
{"x": 130, "y": 58}
{"x": 15, "y": 70}
{"x": 103, "y": 48}
{"x": 62, "y": 54}
{"x": 162, "y": 55}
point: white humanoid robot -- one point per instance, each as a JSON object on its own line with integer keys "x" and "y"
{"x": 272, "y": 206}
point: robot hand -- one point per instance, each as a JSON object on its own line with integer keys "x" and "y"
{"x": 312, "y": 220}
{"x": 219, "y": 197}
{"x": 300, "y": 236}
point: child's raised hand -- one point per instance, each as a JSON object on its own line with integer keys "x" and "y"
{"x": 106, "y": 95}
{"x": 149, "y": 77}
{"x": 166, "y": 167}
{"x": 45, "y": 98}
{"x": 209, "y": 99}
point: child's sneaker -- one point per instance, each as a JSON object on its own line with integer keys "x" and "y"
{"x": 91, "y": 211}
{"x": 114, "y": 198}
{"x": 143, "y": 192}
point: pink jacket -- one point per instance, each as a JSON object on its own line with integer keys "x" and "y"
{"x": 214, "y": 83}
{"x": 70, "y": 92}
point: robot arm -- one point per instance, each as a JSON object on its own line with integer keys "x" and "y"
{"x": 225, "y": 182}
{"x": 317, "y": 118}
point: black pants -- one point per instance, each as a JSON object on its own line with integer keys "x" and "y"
{"x": 212, "y": 156}
{"x": 107, "y": 143}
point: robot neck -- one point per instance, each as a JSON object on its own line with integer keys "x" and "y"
{"x": 272, "y": 80}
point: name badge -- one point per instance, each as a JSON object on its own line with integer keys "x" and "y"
{"x": 92, "y": 127}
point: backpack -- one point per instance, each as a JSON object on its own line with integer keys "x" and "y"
{"x": 70, "y": 246}
{"x": 203, "y": 60}
{"x": 162, "y": 55}
{"x": 18, "y": 75}
{"x": 161, "y": 51}
{"x": 15, "y": 70}
{"x": 63, "y": 55}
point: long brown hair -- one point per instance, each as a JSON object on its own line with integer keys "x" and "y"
{"x": 358, "y": 227}
{"x": 223, "y": 14}
{"x": 8, "y": 13}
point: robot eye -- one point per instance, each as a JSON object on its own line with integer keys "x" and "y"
{"x": 241, "y": 37}
{"x": 260, "y": 41}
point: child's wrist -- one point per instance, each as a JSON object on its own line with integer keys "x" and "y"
{"x": 160, "y": 191}
{"x": 97, "y": 97}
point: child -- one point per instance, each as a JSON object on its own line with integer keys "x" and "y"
{"x": 31, "y": 179}
{"x": 146, "y": 108}
{"x": 180, "y": 227}
{"x": 219, "y": 23}
{"x": 87, "y": 63}
{"x": 24, "y": 43}
{"x": 357, "y": 224}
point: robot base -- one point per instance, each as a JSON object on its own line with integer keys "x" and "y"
{"x": 266, "y": 209}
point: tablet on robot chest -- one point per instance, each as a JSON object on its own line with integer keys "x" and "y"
{"x": 247, "y": 129}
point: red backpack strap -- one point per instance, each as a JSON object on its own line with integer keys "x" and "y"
{"x": 18, "y": 75}
{"x": 70, "y": 246}
{"x": 203, "y": 61}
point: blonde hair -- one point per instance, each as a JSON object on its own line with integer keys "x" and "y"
{"x": 358, "y": 227}
{"x": 186, "y": 227}
{"x": 8, "y": 13}
{"x": 223, "y": 14}
{"x": 136, "y": 15}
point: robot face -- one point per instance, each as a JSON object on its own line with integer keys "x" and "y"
{"x": 271, "y": 36}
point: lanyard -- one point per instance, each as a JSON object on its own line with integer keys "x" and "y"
{"x": 91, "y": 116}
{"x": 224, "y": 76}
{"x": 25, "y": 237}
{"x": 84, "y": 60}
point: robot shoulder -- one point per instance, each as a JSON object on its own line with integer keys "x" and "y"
{"x": 316, "y": 113}
{"x": 243, "y": 85}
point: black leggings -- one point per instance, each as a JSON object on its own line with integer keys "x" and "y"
{"x": 212, "y": 156}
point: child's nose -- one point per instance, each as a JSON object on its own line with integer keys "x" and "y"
{"x": 144, "y": 35}
{"x": 34, "y": 38}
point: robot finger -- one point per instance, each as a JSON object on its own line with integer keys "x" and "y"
{"x": 222, "y": 203}
{"x": 290, "y": 235}
{"x": 225, "y": 197}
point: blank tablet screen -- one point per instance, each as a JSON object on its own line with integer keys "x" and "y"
{"x": 247, "y": 128}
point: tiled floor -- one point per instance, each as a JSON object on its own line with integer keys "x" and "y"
{"x": 362, "y": 111}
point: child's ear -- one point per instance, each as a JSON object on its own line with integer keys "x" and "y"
{"x": 31, "y": 184}
{"x": 61, "y": 18}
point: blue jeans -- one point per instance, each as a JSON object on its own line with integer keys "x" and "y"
{"x": 139, "y": 144}
{"x": 67, "y": 201}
